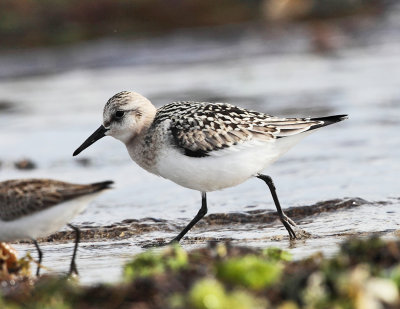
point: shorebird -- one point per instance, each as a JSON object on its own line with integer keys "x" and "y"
{"x": 203, "y": 146}
{"x": 33, "y": 208}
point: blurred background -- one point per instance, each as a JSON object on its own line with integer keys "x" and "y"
{"x": 60, "y": 61}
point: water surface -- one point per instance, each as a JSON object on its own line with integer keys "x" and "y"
{"x": 53, "y": 99}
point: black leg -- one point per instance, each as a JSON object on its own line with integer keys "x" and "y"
{"x": 73, "y": 268}
{"x": 284, "y": 219}
{"x": 40, "y": 255}
{"x": 202, "y": 212}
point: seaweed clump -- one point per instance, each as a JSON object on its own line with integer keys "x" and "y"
{"x": 10, "y": 265}
{"x": 365, "y": 273}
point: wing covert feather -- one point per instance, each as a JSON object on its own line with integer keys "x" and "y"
{"x": 205, "y": 127}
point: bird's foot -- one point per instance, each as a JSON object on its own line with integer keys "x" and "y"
{"x": 302, "y": 234}
{"x": 296, "y": 233}
{"x": 155, "y": 244}
{"x": 161, "y": 243}
{"x": 174, "y": 241}
{"x": 292, "y": 234}
{"x": 290, "y": 221}
{"x": 73, "y": 270}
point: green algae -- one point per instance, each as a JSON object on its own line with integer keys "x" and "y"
{"x": 365, "y": 273}
{"x": 211, "y": 294}
{"x": 153, "y": 262}
{"x": 277, "y": 254}
{"x": 249, "y": 271}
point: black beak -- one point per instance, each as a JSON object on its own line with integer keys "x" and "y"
{"x": 99, "y": 133}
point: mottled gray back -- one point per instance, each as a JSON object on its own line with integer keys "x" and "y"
{"x": 26, "y": 196}
{"x": 201, "y": 127}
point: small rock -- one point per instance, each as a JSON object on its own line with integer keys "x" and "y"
{"x": 5, "y": 105}
{"x": 85, "y": 162}
{"x": 25, "y": 164}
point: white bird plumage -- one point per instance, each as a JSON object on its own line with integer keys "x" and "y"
{"x": 200, "y": 145}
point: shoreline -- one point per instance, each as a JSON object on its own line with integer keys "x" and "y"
{"x": 259, "y": 218}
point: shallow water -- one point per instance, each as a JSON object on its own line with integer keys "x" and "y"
{"x": 53, "y": 99}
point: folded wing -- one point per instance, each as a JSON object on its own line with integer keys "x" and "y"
{"x": 199, "y": 128}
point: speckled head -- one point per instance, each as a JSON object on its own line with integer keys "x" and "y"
{"x": 125, "y": 116}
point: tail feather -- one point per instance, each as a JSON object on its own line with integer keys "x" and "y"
{"x": 300, "y": 125}
{"x": 98, "y": 186}
{"x": 327, "y": 121}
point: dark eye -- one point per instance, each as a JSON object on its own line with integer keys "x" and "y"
{"x": 119, "y": 114}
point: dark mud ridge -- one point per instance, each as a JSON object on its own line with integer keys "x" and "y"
{"x": 133, "y": 227}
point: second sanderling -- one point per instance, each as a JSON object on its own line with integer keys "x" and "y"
{"x": 33, "y": 208}
{"x": 203, "y": 146}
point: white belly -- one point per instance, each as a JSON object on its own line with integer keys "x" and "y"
{"x": 223, "y": 168}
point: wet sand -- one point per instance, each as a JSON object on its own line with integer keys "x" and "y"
{"x": 131, "y": 228}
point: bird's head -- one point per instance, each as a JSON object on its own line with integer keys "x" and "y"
{"x": 125, "y": 116}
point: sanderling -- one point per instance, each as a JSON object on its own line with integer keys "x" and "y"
{"x": 33, "y": 208}
{"x": 203, "y": 146}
